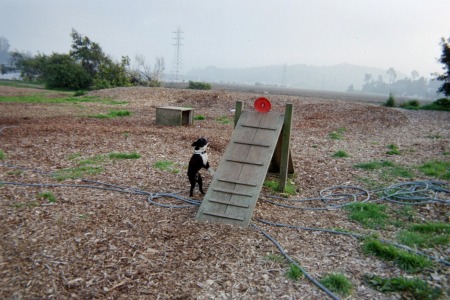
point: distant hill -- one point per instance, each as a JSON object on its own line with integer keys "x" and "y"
{"x": 332, "y": 78}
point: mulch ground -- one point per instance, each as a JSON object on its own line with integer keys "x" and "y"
{"x": 104, "y": 244}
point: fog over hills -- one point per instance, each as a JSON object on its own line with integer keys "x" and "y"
{"x": 333, "y": 78}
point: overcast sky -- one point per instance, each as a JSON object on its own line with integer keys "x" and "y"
{"x": 403, "y": 34}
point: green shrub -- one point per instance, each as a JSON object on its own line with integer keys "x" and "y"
{"x": 194, "y": 85}
{"x": 62, "y": 72}
{"x": 412, "y": 104}
{"x": 442, "y": 104}
{"x": 390, "y": 102}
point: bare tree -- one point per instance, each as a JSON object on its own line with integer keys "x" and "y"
{"x": 142, "y": 69}
{"x": 158, "y": 69}
{"x": 145, "y": 73}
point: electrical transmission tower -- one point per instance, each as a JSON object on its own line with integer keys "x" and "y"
{"x": 177, "y": 61}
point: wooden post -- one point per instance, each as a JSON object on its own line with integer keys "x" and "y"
{"x": 285, "y": 146}
{"x": 237, "y": 112}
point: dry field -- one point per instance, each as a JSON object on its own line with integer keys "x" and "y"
{"x": 103, "y": 244}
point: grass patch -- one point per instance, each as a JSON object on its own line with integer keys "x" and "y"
{"x": 398, "y": 171}
{"x": 393, "y": 150}
{"x": 340, "y": 154}
{"x": 21, "y": 83}
{"x": 289, "y": 189}
{"x": 369, "y": 215}
{"x": 167, "y": 166}
{"x": 370, "y": 183}
{"x": 77, "y": 172}
{"x": 49, "y": 196}
{"x": 95, "y": 160}
{"x": 294, "y": 272}
{"x": 436, "y": 168}
{"x": 48, "y": 98}
{"x": 199, "y": 117}
{"x": 74, "y": 155}
{"x": 83, "y": 216}
{"x": 2, "y": 155}
{"x": 413, "y": 288}
{"x": 30, "y": 204}
{"x": 224, "y": 120}
{"x": 275, "y": 258}
{"x": 389, "y": 170}
{"x": 338, "y": 134}
{"x": 431, "y": 228}
{"x": 112, "y": 114}
{"x": 132, "y": 155}
{"x": 426, "y": 235}
{"x": 406, "y": 213}
{"x": 404, "y": 260}
{"x": 374, "y": 165}
{"x": 337, "y": 283}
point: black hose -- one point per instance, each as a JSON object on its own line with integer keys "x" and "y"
{"x": 291, "y": 260}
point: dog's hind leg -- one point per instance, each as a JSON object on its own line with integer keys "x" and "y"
{"x": 192, "y": 180}
{"x": 200, "y": 183}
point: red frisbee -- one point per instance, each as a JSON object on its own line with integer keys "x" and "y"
{"x": 262, "y": 105}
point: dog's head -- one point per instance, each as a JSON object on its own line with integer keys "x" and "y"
{"x": 200, "y": 143}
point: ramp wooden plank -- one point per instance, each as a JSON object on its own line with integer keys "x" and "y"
{"x": 234, "y": 190}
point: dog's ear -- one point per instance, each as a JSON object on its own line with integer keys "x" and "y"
{"x": 194, "y": 144}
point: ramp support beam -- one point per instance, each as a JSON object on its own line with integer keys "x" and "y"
{"x": 285, "y": 147}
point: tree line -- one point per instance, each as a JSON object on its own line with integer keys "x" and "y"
{"x": 417, "y": 86}
{"x": 85, "y": 66}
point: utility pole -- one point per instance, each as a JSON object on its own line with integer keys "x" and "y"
{"x": 177, "y": 61}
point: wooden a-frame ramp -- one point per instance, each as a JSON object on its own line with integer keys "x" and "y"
{"x": 235, "y": 187}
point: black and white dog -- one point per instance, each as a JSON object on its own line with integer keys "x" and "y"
{"x": 198, "y": 160}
